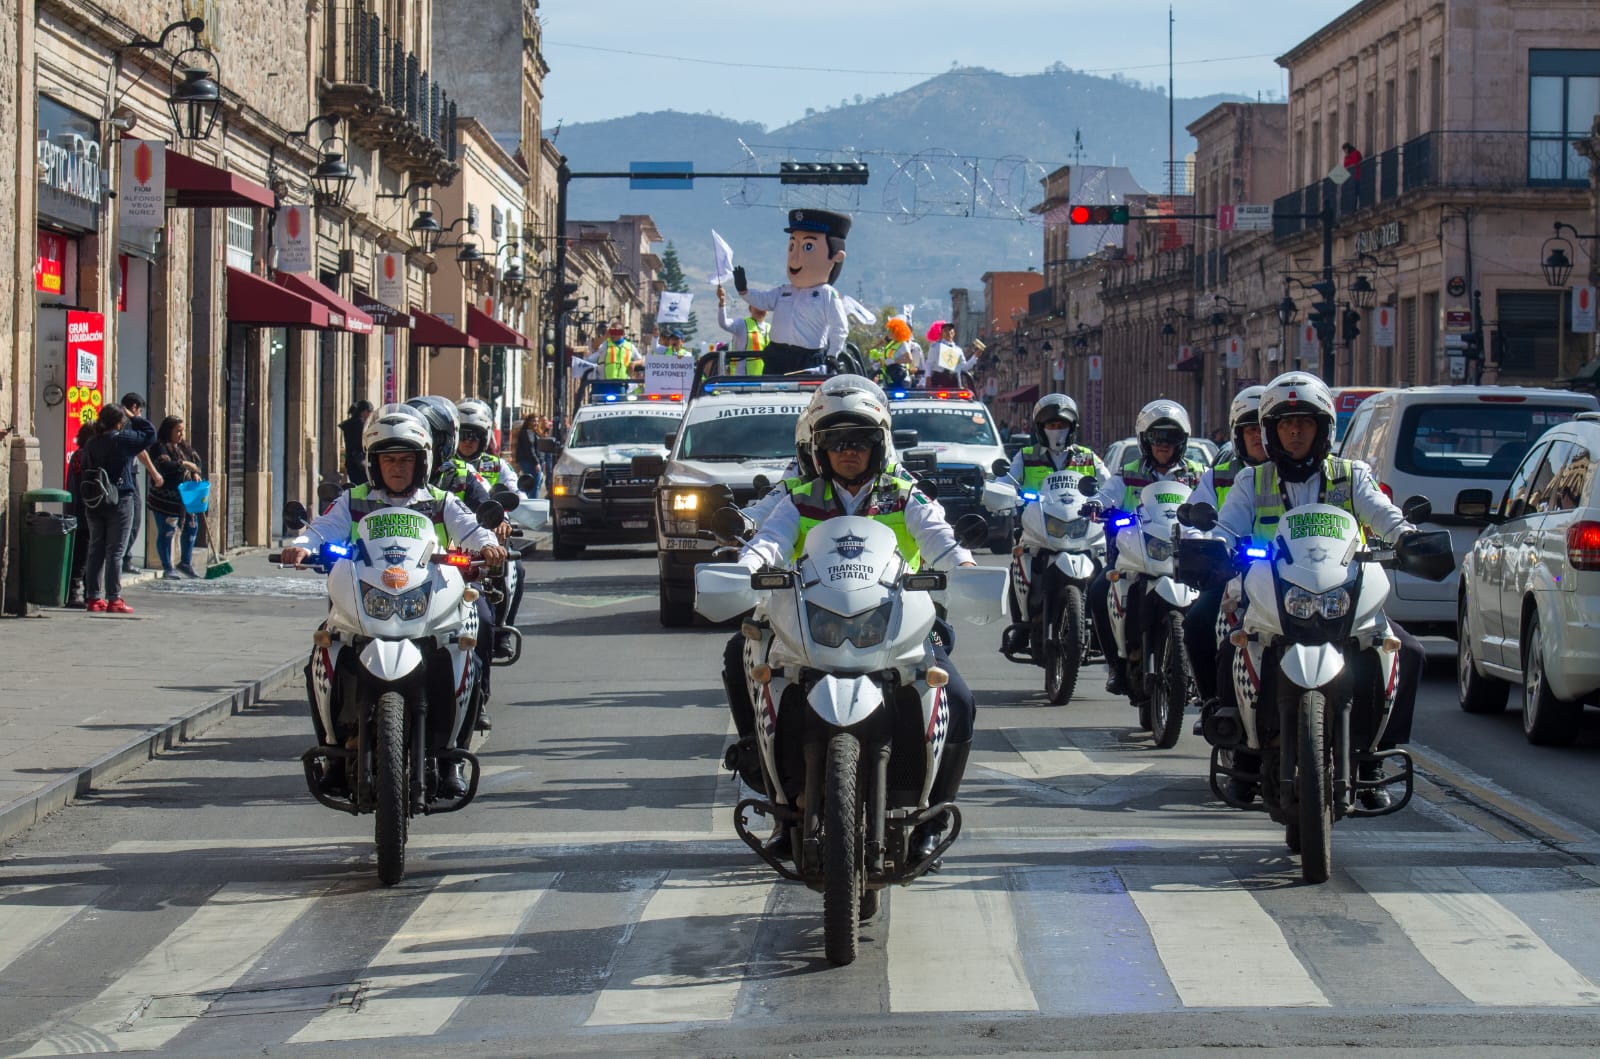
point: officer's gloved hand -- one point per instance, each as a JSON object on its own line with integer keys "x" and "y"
{"x": 1091, "y": 509}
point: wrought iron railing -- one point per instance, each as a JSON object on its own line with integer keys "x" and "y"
{"x": 360, "y": 50}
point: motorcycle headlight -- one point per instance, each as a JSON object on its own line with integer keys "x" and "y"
{"x": 1058, "y": 527}
{"x": 863, "y": 630}
{"x": 413, "y": 604}
{"x": 378, "y": 604}
{"x": 1308, "y": 605}
{"x": 1158, "y": 549}
{"x": 1077, "y": 527}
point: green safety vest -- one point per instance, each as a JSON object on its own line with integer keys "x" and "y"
{"x": 1135, "y": 476}
{"x": 615, "y": 359}
{"x": 488, "y": 467}
{"x": 1222, "y": 476}
{"x": 816, "y": 504}
{"x": 1337, "y": 491}
{"x": 363, "y": 504}
{"x": 454, "y": 475}
{"x": 1036, "y": 465}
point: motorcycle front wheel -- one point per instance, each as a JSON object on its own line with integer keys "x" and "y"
{"x": 842, "y": 853}
{"x": 389, "y": 785}
{"x": 1171, "y": 691}
{"x": 1064, "y": 648}
{"x": 1314, "y": 787}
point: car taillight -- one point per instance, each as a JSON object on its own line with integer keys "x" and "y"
{"x": 1501, "y": 398}
{"x": 1386, "y": 490}
{"x": 1583, "y": 545}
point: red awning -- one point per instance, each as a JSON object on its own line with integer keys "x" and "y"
{"x": 1021, "y": 394}
{"x": 485, "y": 328}
{"x": 429, "y": 330}
{"x": 192, "y": 184}
{"x": 341, "y": 312}
{"x": 1193, "y": 362}
{"x": 382, "y": 315}
{"x": 256, "y": 300}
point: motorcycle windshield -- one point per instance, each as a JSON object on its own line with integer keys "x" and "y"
{"x": 1158, "y": 507}
{"x": 395, "y": 586}
{"x": 855, "y": 619}
{"x": 1315, "y": 545}
{"x": 1060, "y": 498}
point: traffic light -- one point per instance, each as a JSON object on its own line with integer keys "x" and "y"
{"x": 822, "y": 173}
{"x": 1474, "y": 345}
{"x": 1098, "y": 215}
{"x": 1322, "y": 311}
{"x": 1351, "y": 329}
{"x": 566, "y": 296}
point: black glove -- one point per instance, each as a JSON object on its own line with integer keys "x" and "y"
{"x": 1091, "y": 509}
{"x": 738, "y": 279}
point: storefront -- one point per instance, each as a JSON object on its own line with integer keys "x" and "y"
{"x": 500, "y": 363}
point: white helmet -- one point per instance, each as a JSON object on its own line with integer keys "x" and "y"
{"x": 476, "y": 421}
{"x": 397, "y": 428}
{"x": 443, "y": 423}
{"x": 1244, "y": 412}
{"x": 848, "y": 405}
{"x": 1054, "y": 406}
{"x": 1167, "y": 418}
{"x": 1297, "y": 393}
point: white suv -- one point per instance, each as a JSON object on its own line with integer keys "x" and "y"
{"x": 957, "y": 434}
{"x": 1445, "y": 443}
{"x": 1529, "y": 605}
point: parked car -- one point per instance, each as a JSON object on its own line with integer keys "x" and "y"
{"x": 1200, "y": 450}
{"x": 1441, "y": 442}
{"x": 1529, "y": 602}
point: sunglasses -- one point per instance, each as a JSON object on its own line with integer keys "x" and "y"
{"x": 1165, "y": 437}
{"x": 849, "y": 443}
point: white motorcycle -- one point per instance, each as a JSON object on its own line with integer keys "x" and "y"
{"x": 1050, "y": 622}
{"x": 850, "y": 705}
{"x": 1147, "y": 604}
{"x": 393, "y": 673}
{"x": 1311, "y": 642}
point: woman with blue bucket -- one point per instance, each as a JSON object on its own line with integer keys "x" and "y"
{"x": 177, "y": 505}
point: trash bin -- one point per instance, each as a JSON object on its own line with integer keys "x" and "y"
{"x": 46, "y": 547}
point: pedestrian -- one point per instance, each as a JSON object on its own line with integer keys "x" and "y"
{"x": 1352, "y": 160}
{"x": 133, "y": 404}
{"x": 177, "y": 463}
{"x": 527, "y": 451}
{"x": 110, "y": 457}
{"x": 80, "y": 538}
{"x": 547, "y": 460}
{"x": 1220, "y": 437}
{"x": 355, "y": 458}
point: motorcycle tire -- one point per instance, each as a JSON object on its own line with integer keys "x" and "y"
{"x": 1170, "y": 694}
{"x": 1063, "y": 648}
{"x": 842, "y": 852}
{"x": 1314, "y": 787}
{"x": 389, "y": 786}
{"x": 1144, "y": 715}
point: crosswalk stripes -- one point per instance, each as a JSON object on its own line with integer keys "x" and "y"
{"x": 956, "y": 912}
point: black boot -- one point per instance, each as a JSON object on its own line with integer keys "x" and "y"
{"x": 952, "y": 767}
{"x": 452, "y": 781}
{"x": 1116, "y": 677}
{"x": 334, "y": 781}
{"x": 744, "y": 758}
{"x": 1372, "y": 797}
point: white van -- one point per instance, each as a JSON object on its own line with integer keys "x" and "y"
{"x": 1438, "y": 442}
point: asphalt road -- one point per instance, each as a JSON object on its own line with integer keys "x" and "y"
{"x": 593, "y": 899}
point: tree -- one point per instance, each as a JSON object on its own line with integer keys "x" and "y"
{"x": 672, "y": 279}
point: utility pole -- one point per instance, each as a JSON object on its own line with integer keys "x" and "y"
{"x": 1327, "y": 336}
{"x": 1172, "y": 150}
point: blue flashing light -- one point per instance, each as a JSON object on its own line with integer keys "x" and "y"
{"x": 898, "y": 394}
{"x": 338, "y": 551}
{"x": 1119, "y": 523}
{"x": 1255, "y": 553}
{"x": 611, "y": 397}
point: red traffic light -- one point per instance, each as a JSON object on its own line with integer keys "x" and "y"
{"x": 1097, "y": 215}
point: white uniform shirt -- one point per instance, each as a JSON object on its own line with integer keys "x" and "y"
{"x": 739, "y": 329}
{"x": 773, "y": 545}
{"x": 1376, "y": 511}
{"x": 334, "y": 523}
{"x": 811, "y": 318}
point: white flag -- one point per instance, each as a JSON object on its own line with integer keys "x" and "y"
{"x": 674, "y": 307}
{"x": 858, "y": 312}
{"x": 724, "y": 270}
{"x": 905, "y": 311}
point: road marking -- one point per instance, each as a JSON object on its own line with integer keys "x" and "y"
{"x": 1053, "y": 754}
{"x": 29, "y": 914}
{"x": 1219, "y": 946}
{"x": 207, "y": 954}
{"x": 435, "y": 962}
{"x": 687, "y": 957}
{"x": 953, "y": 947}
{"x": 1485, "y": 790}
{"x": 1475, "y": 942}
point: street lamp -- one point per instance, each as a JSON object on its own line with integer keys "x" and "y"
{"x": 470, "y": 260}
{"x": 196, "y": 97}
{"x": 426, "y": 231}
{"x": 1362, "y": 293}
{"x": 1557, "y": 263}
{"x": 1286, "y": 309}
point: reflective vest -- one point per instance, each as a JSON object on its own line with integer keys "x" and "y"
{"x": 1135, "y": 476}
{"x": 615, "y": 359}
{"x": 756, "y": 334}
{"x": 362, "y": 504}
{"x": 488, "y": 467}
{"x": 454, "y": 476}
{"x": 1037, "y": 465}
{"x": 816, "y": 504}
{"x": 1337, "y": 491}
{"x": 1222, "y": 476}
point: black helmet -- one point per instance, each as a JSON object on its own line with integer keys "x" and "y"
{"x": 440, "y": 415}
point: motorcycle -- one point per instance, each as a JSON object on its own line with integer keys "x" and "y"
{"x": 393, "y": 673}
{"x": 1051, "y": 626}
{"x": 850, "y": 705}
{"x": 1311, "y": 643}
{"x": 1147, "y": 606}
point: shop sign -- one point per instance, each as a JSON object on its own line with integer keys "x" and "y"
{"x": 70, "y": 174}
{"x": 1383, "y": 327}
{"x": 1583, "y": 310}
{"x": 86, "y": 346}
{"x": 1310, "y": 344}
{"x": 1380, "y": 238}
{"x": 142, "y": 202}
{"x": 294, "y": 239}
{"x": 383, "y": 315}
{"x": 50, "y": 263}
{"x": 1458, "y": 319}
{"x": 391, "y": 279}
{"x": 1234, "y": 353}
{"x": 391, "y": 380}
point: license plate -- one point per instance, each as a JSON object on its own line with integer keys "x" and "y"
{"x": 635, "y": 523}
{"x": 681, "y": 544}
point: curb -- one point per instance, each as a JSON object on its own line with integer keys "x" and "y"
{"x": 30, "y": 809}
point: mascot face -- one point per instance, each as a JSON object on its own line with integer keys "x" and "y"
{"x": 809, "y": 262}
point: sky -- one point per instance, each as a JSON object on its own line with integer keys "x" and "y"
{"x": 612, "y": 58}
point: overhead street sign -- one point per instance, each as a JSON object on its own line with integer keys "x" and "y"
{"x": 660, "y": 176}
{"x": 1248, "y": 217}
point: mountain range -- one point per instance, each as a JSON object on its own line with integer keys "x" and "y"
{"x": 955, "y": 163}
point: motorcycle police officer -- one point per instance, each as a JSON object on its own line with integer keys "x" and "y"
{"x": 1297, "y": 418}
{"x": 398, "y": 449}
{"x": 1162, "y": 428}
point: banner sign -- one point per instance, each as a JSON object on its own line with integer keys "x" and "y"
{"x": 1233, "y": 351}
{"x": 674, "y": 307}
{"x": 294, "y": 239}
{"x": 142, "y": 202}
{"x": 1383, "y": 326}
{"x": 390, "y": 270}
{"x": 1583, "y": 310}
{"x": 391, "y": 383}
{"x": 86, "y": 347}
{"x": 1310, "y": 347}
{"x": 666, "y": 375}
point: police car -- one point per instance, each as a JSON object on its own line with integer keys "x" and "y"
{"x": 956, "y": 449}
{"x": 596, "y": 496}
{"x": 734, "y": 430}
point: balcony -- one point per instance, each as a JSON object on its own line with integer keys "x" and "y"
{"x": 390, "y": 103}
{"x": 1502, "y": 161}
{"x": 1163, "y": 266}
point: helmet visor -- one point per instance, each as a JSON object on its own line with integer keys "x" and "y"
{"x": 1165, "y": 436}
{"x": 846, "y": 439}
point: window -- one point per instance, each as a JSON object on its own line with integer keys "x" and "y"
{"x": 1567, "y": 489}
{"x": 1413, "y": 102}
{"x": 1355, "y": 434}
{"x": 1372, "y": 123}
{"x": 1390, "y": 139}
{"x": 1315, "y": 172}
{"x": 1515, "y": 502}
{"x": 1435, "y": 92}
{"x": 1563, "y": 99}
{"x": 1555, "y": 456}
{"x": 1425, "y": 370}
{"x": 241, "y": 237}
{"x": 1473, "y": 439}
{"x": 1407, "y": 373}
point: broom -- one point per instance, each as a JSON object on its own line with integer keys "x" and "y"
{"x": 218, "y": 566}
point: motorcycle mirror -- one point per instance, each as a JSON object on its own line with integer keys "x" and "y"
{"x": 1429, "y": 555}
{"x": 294, "y": 516}
{"x": 1089, "y": 486}
{"x": 490, "y": 514}
{"x": 328, "y": 492}
{"x": 972, "y": 530}
{"x": 763, "y": 485}
{"x": 528, "y": 484}
{"x": 507, "y": 500}
{"x": 729, "y": 523}
{"x": 905, "y": 439}
{"x": 1417, "y": 509}
{"x": 1200, "y": 516}
{"x": 1001, "y": 468}
{"x": 929, "y": 487}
